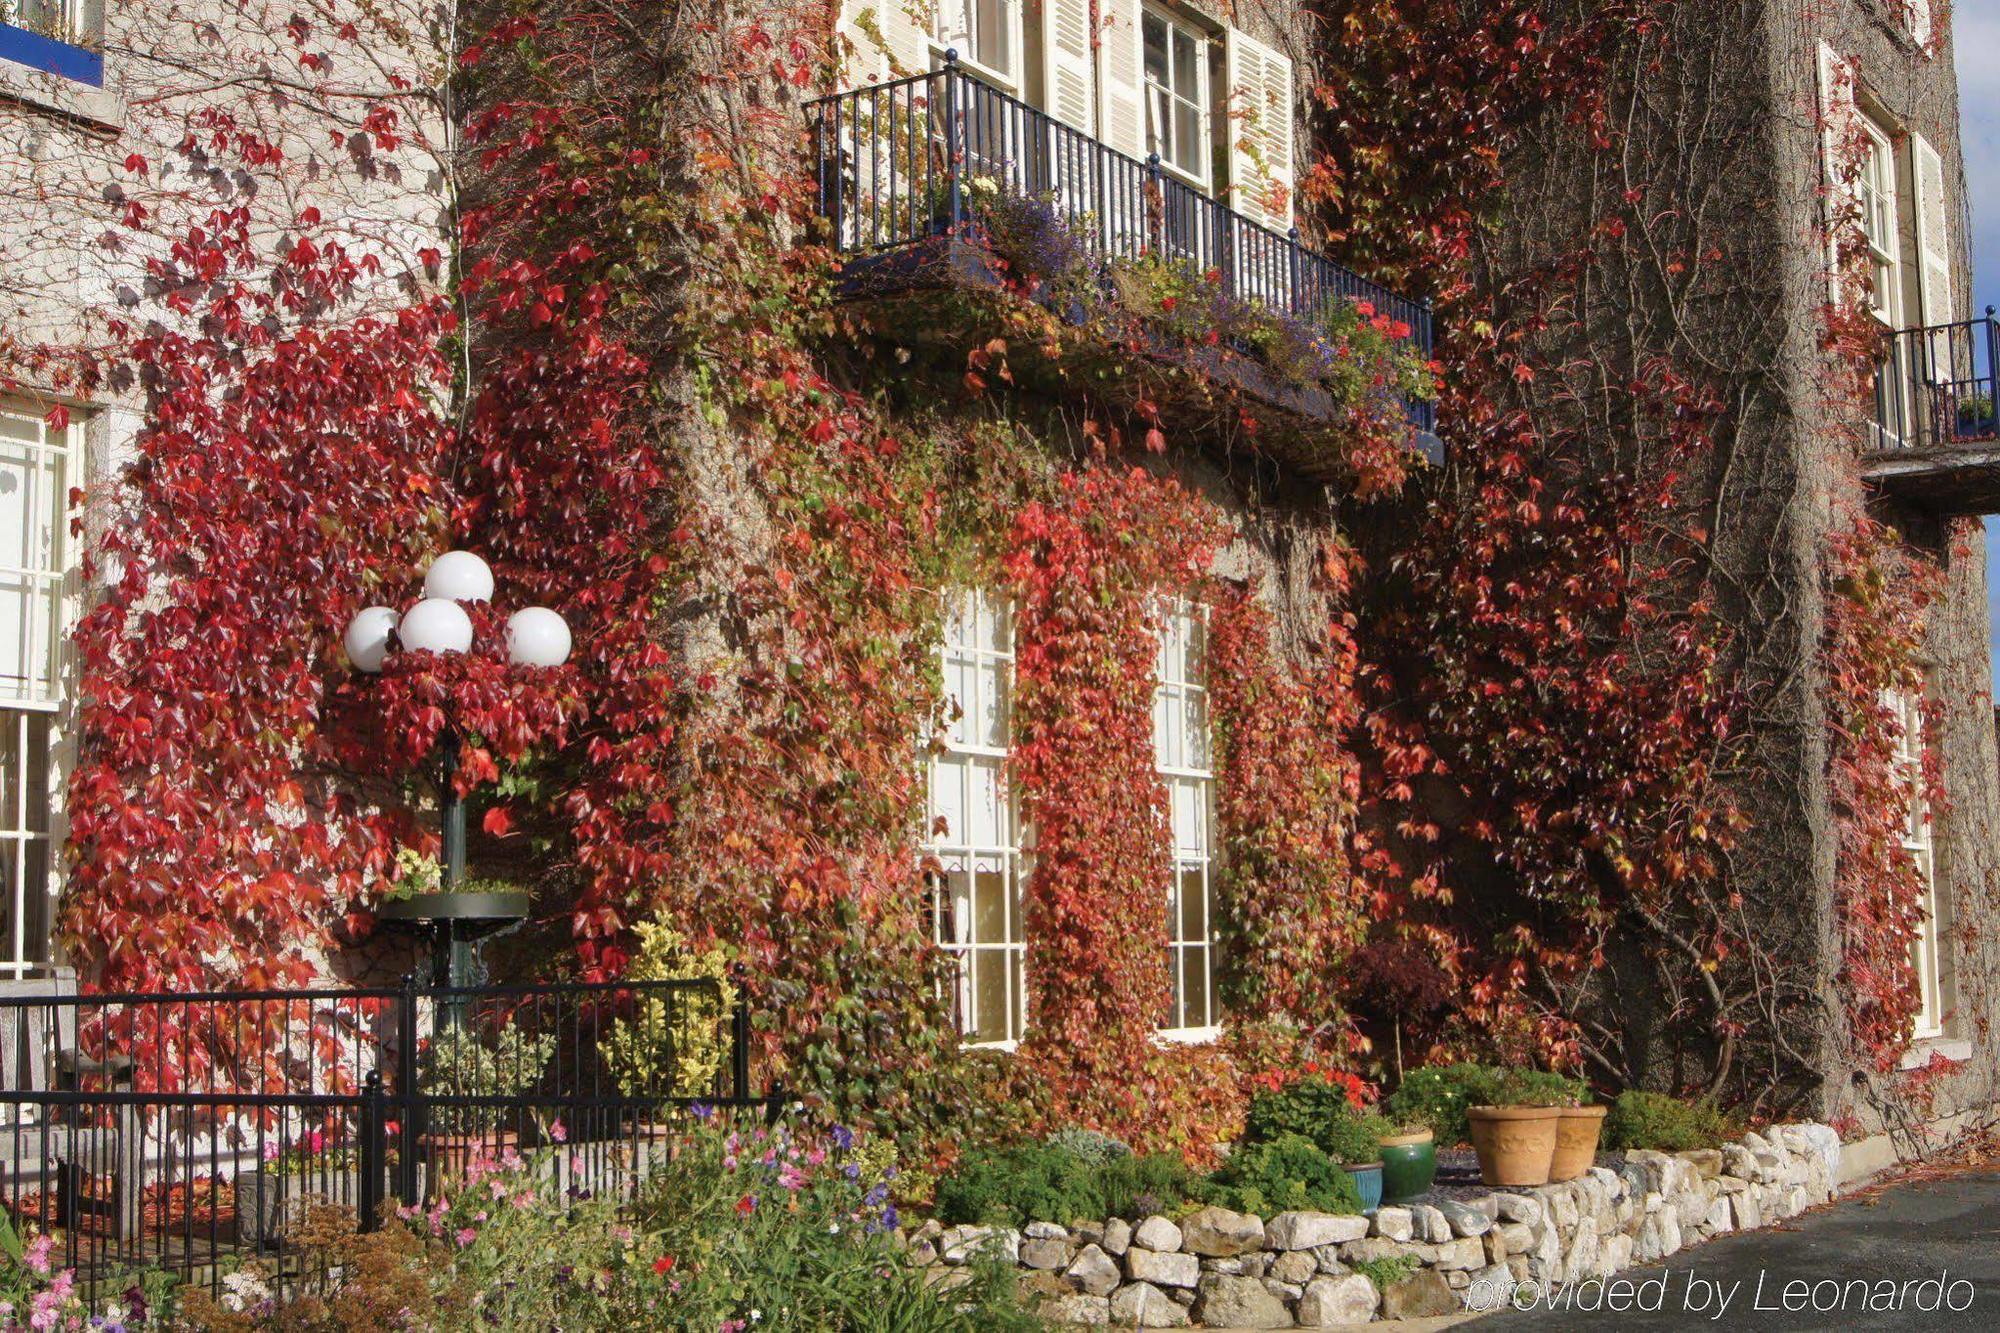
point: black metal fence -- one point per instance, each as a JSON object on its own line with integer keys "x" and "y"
{"x": 902, "y": 162}
{"x": 177, "y": 1132}
{"x": 1937, "y": 389}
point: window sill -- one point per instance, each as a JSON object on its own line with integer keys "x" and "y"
{"x": 1924, "y": 1049}
{"x": 40, "y": 72}
{"x": 1188, "y": 1036}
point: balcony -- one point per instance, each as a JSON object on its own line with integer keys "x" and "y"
{"x": 904, "y": 168}
{"x": 1936, "y": 438}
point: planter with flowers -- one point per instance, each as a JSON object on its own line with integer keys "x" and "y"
{"x": 1515, "y": 1133}
{"x": 458, "y": 1068}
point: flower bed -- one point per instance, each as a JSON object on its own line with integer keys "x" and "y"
{"x": 1218, "y": 1268}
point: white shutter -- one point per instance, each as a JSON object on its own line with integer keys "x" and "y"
{"x": 1933, "y": 232}
{"x": 1121, "y": 109}
{"x": 890, "y": 37}
{"x": 1259, "y": 108}
{"x": 1066, "y": 61}
{"x": 1917, "y": 18}
{"x": 1839, "y": 118}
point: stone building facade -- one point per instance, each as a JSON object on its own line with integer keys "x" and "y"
{"x": 120, "y": 130}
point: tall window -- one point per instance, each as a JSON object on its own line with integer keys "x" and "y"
{"x": 1917, "y": 842}
{"x": 1877, "y": 187}
{"x": 973, "y": 831}
{"x": 986, "y": 33}
{"x": 1176, "y": 59}
{"x": 1181, "y": 745}
{"x": 35, "y": 475}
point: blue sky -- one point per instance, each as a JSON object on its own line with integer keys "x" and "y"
{"x": 1976, "y": 36}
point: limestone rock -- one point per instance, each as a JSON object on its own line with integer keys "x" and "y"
{"x": 1518, "y": 1208}
{"x": 1093, "y": 1272}
{"x": 1142, "y": 1305}
{"x": 1330, "y": 1302}
{"x": 1309, "y": 1231}
{"x": 1157, "y": 1233}
{"x": 1465, "y": 1221}
{"x": 1288, "y": 1292}
{"x": 1293, "y": 1266}
{"x": 1707, "y": 1162}
{"x": 1429, "y": 1224}
{"x": 1044, "y": 1252}
{"x": 1162, "y": 1270}
{"x": 1488, "y": 1289}
{"x": 1045, "y": 1231}
{"x": 1369, "y": 1249}
{"x": 1077, "y": 1308}
{"x": 960, "y": 1244}
{"x": 1393, "y": 1224}
{"x": 1117, "y": 1236}
{"x": 1463, "y": 1254}
{"x": 1239, "y": 1302}
{"x": 1422, "y": 1295}
{"x": 1219, "y": 1232}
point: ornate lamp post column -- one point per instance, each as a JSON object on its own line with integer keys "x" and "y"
{"x": 536, "y": 636}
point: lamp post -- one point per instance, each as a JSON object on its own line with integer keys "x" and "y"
{"x": 438, "y": 623}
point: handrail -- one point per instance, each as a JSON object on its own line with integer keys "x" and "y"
{"x": 895, "y": 162}
{"x": 1938, "y": 387}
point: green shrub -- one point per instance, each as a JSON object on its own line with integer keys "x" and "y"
{"x": 1300, "y": 1107}
{"x": 1437, "y": 1095}
{"x": 1088, "y": 1146}
{"x": 1353, "y": 1140}
{"x": 1286, "y": 1173}
{"x": 1042, "y": 1182}
{"x": 1539, "y": 1087}
{"x": 1654, "y": 1120}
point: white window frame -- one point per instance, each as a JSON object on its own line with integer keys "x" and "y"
{"x": 1875, "y": 189}
{"x": 976, "y": 654}
{"x": 74, "y": 22}
{"x": 26, "y": 819}
{"x": 955, "y": 25}
{"x": 29, "y": 703}
{"x": 1184, "y": 759}
{"x": 1918, "y": 842}
{"x": 1162, "y": 98}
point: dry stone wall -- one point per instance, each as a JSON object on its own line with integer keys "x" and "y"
{"x": 1218, "y": 1269}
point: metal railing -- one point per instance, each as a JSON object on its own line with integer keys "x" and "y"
{"x": 900, "y": 163}
{"x": 181, "y": 1132}
{"x": 1937, "y": 387}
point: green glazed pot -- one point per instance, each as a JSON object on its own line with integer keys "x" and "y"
{"x": 1409, "y": 1162}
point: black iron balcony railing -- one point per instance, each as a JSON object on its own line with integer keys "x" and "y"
{"x": 900, "y": 163}
{"x": 1936, "y": 389}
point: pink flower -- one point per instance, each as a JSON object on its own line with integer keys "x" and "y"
{"x": 557, "y": 1134}
{"x": 466, "y": 1235}
{"x": 36, "y": 1255}
{"x": 791, "y": 1177}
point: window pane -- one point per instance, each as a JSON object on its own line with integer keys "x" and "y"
{"x": 989, "y": 903}
{"x": 989, "y": 995}
{"x": 1194, "y": 988}
{"x": 1194, "y": 904}
{"x": 1154, "y": 29}
{"x": 1187, "y": 64}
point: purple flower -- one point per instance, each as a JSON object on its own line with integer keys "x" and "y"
{"x": 843, "y": 1137}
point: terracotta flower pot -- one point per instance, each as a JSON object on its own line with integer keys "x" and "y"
{"x": 1515, "y": 1143}
{"x": 1409, "y": 1164}
{"x": 1576, "y": 1141}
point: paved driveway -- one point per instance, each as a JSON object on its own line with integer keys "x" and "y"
{"x": 1900, "y": 1259}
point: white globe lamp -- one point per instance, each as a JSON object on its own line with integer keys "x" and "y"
{"x": 537, "y": 636}
{"x": 436, "y": 625}
{"x": 459, "y": 576}
{"x": 367, "y": 638}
